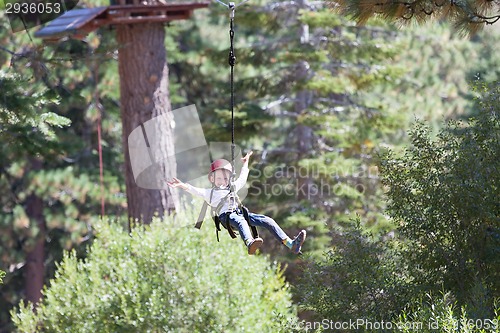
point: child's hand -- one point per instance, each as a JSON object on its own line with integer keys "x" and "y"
{"x": 247, "y": 157}
{"x": 176, "y": 183}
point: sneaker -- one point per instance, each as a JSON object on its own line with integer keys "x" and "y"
{"x": 254, "y": 245}
{"x": 298, "y": 241}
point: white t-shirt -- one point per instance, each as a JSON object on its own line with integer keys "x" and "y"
{"x": 218, "y": 194}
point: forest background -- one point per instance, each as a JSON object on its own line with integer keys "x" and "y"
{"x": 352, "y": 139}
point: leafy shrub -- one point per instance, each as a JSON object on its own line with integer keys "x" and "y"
{"x": 444, "y": 196}
{"x": 358, "y": 278}
{"x": 2, "y": 275}
{"x": 161, "y": 278}
{"x": 440, "y": 315}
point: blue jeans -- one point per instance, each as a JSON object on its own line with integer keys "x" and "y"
{"x": 237, "y": 221}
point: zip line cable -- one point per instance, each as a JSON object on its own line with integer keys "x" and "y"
{"x": 232, "y": 61}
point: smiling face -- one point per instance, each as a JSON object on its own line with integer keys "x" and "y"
{"x": 220, "y": 178}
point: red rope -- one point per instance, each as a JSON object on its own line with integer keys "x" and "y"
{"x": 101, "y": 168}
{"x": 99, "y": 139}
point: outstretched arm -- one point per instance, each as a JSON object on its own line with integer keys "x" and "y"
{"x": 246, "y": 158}
{"x": 177, "y": 183}
{"x": 242, "y": 179}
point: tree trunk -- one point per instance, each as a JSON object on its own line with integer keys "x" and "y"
{"x": 305, "y": 137}
{"x": 144, "y": 93}
{"x": 303, "y": 98}
{"x": 34, "y": 269}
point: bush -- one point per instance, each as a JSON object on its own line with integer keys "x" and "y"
{"x": 444, "y": 196}
{"x": 440, "y": 315}
{"x": 161, "y": 278}
{"x": 359, "y": 278}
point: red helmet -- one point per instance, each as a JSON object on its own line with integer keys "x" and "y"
{"x": 220, "y": 164}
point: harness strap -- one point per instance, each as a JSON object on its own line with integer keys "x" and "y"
{"x": 255, "y": 233}
{"x": 201, "y": 217}
{"x": 218, "y": 222}
{"x": 203, "y": 212}
{"x": 230, "y": 231}
{"x": 216, "y": 219}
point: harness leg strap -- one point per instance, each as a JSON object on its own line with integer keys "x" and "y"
{"x": 255, "y": 233}
{"x": 203, "y": 212}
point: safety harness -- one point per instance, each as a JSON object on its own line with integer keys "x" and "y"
{"x": 217, "y": 220}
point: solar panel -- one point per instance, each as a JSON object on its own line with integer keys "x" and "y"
{"x": 70, "y": 22}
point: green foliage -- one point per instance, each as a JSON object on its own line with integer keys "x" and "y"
{"x": 440, "y": 314}
{"x": 360, "y": 277}
{"x": 440, "y": 66}
{"x": 161, "y": 278}
{"x": 359, "y": 103}
{"x": 27, "y": 123}
{"x": 2, "y": 275}
{"x": 444, "y": 198}
{"x": 48, "y": 119}
{"x": 467, "y": 16}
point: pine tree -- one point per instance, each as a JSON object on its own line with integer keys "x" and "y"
{"x": 28, "y": 137}
{"x": 443, "y": 196}
{"x": 468, "y": 16}
{"x": 49, "y": 168}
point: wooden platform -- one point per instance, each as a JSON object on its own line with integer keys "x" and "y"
{"x": 77, "y": 23}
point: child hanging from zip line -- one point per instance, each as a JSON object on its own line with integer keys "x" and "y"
{"x": 227, "y": 206}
